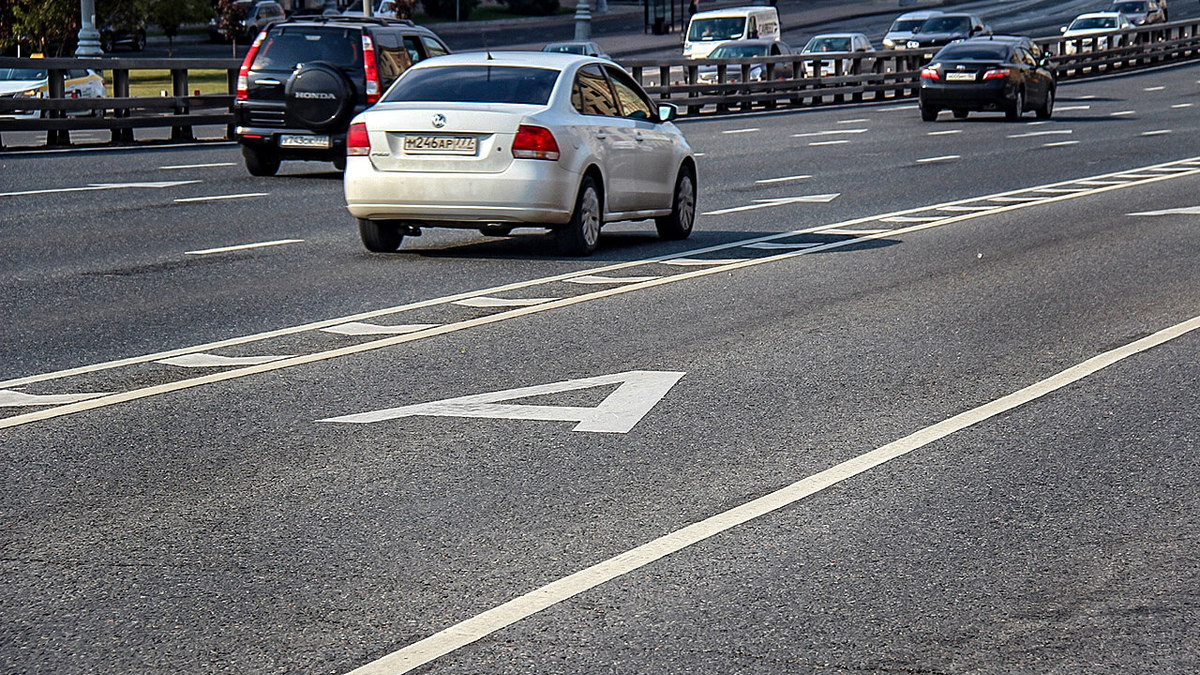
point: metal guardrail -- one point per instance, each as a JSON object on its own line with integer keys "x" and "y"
{"x": 854, "y": 77}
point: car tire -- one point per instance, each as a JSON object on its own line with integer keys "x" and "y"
{"x": 495, "y": 230}
{"x": 1016, "y": 107}
{"x": 260, "y": 161}
{"x": 678, "y": 225}
{"x": 1047, "y": 109}
{"x": 379, "y": 236}
{"x": 339, "y": 163}
{"x": 580, "y": 236}
{"x": 929, "y": 113}
{"x": 961, "y": 113}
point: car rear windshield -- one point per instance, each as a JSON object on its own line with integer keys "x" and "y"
{"x": 475, "y": 84}
{"x": 946, "y": 24}
{"x": 828, "y": 45}
{"x": 739, "y": 52}
{"x": 974, "y": 52}
{"x": 717, "y": 28}
{"x": 286, "y": 47}
{"x": 906, "y": 25}
{"x": 1128, "y": 7}
{"x": 1093, "y": 24}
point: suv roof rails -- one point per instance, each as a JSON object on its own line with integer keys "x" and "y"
{"x": 349, "y": 18}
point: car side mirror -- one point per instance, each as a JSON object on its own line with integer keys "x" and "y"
{"x": 667, "y": 112}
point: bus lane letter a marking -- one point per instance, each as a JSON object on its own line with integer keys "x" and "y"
{"x": 619, "y": 412}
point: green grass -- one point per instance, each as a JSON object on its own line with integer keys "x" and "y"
{"x": 153, "y": 82}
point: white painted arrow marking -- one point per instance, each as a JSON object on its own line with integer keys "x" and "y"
{"x": 102, "y": 186}
{"x": 12, "y": 399}
{"x": 214, "y": 361}
{"x": 1186, "y": 211}
{"x": 488, "y": 301}
{"x": 779, "y": 201}
{"x": 619, "y": 412}
{"x": 358, "y": 328}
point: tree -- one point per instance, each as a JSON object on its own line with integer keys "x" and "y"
{"x": 46, "y": 26}
{"x": 171, "y": 14}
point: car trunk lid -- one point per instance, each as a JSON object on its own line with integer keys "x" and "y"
{"x": 431, "y": 137}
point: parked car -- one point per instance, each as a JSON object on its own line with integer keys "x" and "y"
{"x": 253, "y": 16}
{"x": 941, "y": 30}
{"x": 34, "y": 83}
{"x": 1100, "y": 27}
{"x": 581, "y": 47}
{"x": 554, "y": 141}
{"x": 1003, "y": 73}
{"x": 303, "y": 79}
{"x": 1141, "y": 12}
{"x": 122, "y": 32}
{"x": 905, "y": 26}
{"x": 856, "y": 45}
{"x": 746, "y": 49}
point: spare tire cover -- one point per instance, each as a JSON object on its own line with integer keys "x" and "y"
{"x": 318, "y": 96}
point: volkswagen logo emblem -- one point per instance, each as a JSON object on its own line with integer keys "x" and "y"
{"x": 439, "y": 121}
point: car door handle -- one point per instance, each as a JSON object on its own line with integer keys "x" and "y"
{"x": 270, "y": 81}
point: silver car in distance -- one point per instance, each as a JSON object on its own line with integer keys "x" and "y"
{"x": 508, "y": 139}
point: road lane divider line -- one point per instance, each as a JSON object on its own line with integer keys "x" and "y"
{"x": 1156, "y": 132}
{"x": 217, "y": 198}
{"x": 1059, "y": 144}
{"x": 943, "y": 158}
{"x": 211, "y": 165}
{"x": 783, "y": 179}
{"x": 556, "y": 592}
{"x": 216, "y": 361}
{"x": 952, "y": 206}
{"x": 157, "y": 185}
{"x": 244, "y": 247}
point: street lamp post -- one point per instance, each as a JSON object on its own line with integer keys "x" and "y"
{"x": 583, "y": 21}
{"x": 89, "y": 37}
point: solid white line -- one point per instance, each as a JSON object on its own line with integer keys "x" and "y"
{"x": 220, "y": 197}
{"x": 197, "y": 166}
{"x": 740, "y": 131}
{"x": 944, "y": 133}
{"x": 1059, "y": 144}
{"x": 784, "y": 179}
{"x": 1158, "y": 132}
{"x": 555, "y": 592}
{"x": 243, "y": 247}
{"x": 943, "y": 158}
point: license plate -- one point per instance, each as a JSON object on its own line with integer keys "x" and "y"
{"x": 961, "y": 76}
{"x": 303, "y": 141}
{"x": 440, "y": 145}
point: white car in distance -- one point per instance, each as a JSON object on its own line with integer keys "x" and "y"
{"x": 1096, "y": 30}
{"x": 509, "y": 139}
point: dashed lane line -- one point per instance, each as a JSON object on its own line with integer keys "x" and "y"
{"x": 217, "y": 198}
{"x": 245, "y": 247}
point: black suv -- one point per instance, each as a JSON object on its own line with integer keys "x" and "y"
{"x": 305, "y": 78}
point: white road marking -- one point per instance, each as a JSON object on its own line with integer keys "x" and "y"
{"x": 214, "y": 198}
{"x": 966, "y": 209}
{"x": 741, "y": 131}
{"x": 775, "y": 246}
{"x": 899, "y": 108}
{"x": 1013, "y": 200}
{"x": 1182, "y": 105}
{"x": 618, "y": 413}
{"x": 102, "y": 186}
{"x": 197, "y": 166}
{"x": 12, "y": 399}
{"x": 1059, "y": 144}
{"x": 1101, "y": 182}
{"x": 1087, "y": 97}
{"x": 1060, "y": 190}
{"x": 1136, "y": 176}
{"x": 243, "y": 247}
{"x": 696, "y": 262}
{"x": 820, "y": 143}
{"x": 214, "y": 361}
{"x": 524, "y": 606}
{"x": 1065, "y": 108}
{"x": 1032, "y": 134}
{"x": 783, "y": 179}
{"x": 700, "y": 154}
{"x": 1154, "y": 88}
{"x": 911, "y": 219}
{"x": 854, "y": 121}
{"x": 948, "y": 132}
{"x": 834, "y": 132}
{"x": 1122, "y": 113}
{"x": 943, "y": 158}
{"x": 596, "y": 279}
{"x": 862, "y": 233}
{"x": 1158, "y": 132}
{"x": 358, "y": 328}
{"x": 1186, "y": 211}
{"x": 488, "y": 301}
{"x": 781, "y": 201}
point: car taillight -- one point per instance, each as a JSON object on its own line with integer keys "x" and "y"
{"x": 995, "y": 74}
{"x": 534, "y": 143}
{"x": 358, "y": 141}
{"x": 930, "y": 74}
{"x": 243, "y": 81}
{"x": 372, "y": 72}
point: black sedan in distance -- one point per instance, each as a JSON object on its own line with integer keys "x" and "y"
{"x": 1000, "y": 73}
{"x": 942, "y": 29}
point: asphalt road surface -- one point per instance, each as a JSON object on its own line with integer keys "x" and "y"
{"x": 913, "y": 398}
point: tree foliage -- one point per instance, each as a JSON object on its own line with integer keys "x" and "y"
{"x": 44, "y": 26}
{"x": 171, "y": 14}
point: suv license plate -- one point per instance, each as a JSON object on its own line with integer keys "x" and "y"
{"x": 303, "y": 141}
{"x": 440, "y": 145}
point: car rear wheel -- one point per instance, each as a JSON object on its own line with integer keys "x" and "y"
{"x": 379, "y": 237}
{"x": 678, "y": 225}
{"x": 1016, "y": 107}
{"x": 580, "y": 236}
{"x": 1047, "y": 109}
{"x": 260, "y": 161}
{"x": 929, "y": 113}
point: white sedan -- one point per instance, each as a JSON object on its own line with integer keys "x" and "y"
{"x": 501, "y": 140}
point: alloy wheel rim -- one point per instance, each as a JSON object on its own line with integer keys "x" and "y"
{"x": 687, "y": 202}
{"x": 590, "y": 217}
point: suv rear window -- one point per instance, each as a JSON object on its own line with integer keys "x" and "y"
{"x": 476, "y": 84}
{"x": 286, "y": 47}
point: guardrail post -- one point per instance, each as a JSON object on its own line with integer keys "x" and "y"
{"x": 121, "y": 90}
{"x": 179, "y": 85}
{"x": 57, "y": 91}
{"x": 231, "y": 78}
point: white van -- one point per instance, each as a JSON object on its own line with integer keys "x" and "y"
{"x": 709, "y": 30}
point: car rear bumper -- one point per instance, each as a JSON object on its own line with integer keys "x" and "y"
{"x": 529, "y": 191}
{"x": 967, "y": 96}
{"x": 270, "y": 138}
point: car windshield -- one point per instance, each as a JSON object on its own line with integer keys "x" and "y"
{"x": 974, "y": 52}
{"x": 284, "y": 49}
{"x": 1093, "y": 23}
{"x": 906, "y": 25}
{"x": 475, "y": 84}
{"x": 22, "y": 74}
{"x": 839, "y": 44}
{"x": 738, "y": 51}
{"x": 946, "y": 24}
{"x": 717, "y": 28}
{"x": 566, "y": 49}
{"x": 1127, "y": 7}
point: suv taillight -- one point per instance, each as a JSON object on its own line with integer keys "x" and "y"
{"x": 358, "y": 141}
{"x": 243, "y": 81}
{"x": 534, "y": 143}
{"x": 372, "y": 72}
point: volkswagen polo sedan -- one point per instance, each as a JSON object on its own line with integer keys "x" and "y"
{"x": 503, "y": 140}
